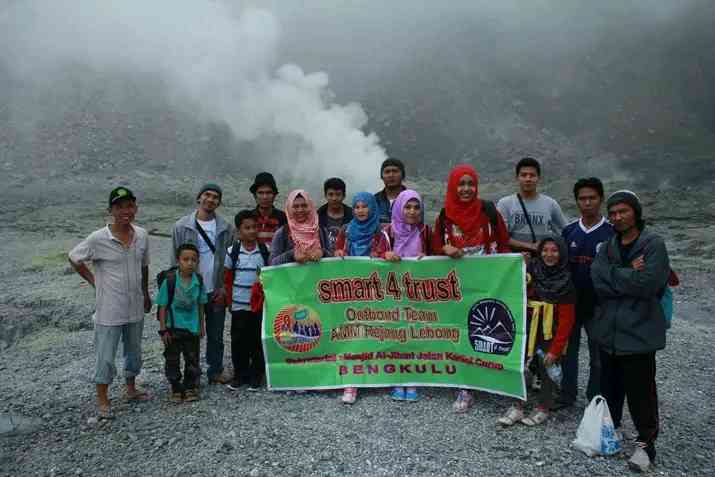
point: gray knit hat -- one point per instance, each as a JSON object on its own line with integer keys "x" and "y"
{"x": 212, "y": 187}
{"x": 629, "y": 198}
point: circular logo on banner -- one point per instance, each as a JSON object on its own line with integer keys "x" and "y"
{"x": 297, "y": 328}
{"x": 491, "y": 327}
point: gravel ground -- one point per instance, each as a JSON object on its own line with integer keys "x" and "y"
{"x": 46, "y": 363}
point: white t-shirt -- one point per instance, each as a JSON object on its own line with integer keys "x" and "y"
{"x": 206, "y": 256}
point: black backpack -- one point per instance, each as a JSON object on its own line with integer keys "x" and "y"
{"x": 170, "y": 275}
{"x": 488, "y": 207}
{"x": 236, "y": 249}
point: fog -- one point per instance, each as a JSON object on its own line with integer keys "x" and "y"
{"x": 319, "y": 88}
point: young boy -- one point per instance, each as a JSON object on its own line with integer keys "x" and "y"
{"x": 119, "y": 254}
{"x": 241, "y": 268}
{"x": 334, "y": 214}
{"x": 181, "y": 303}
{"x": 268, "y": 218}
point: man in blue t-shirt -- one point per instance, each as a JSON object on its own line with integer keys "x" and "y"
{"x": 584, "y": 238}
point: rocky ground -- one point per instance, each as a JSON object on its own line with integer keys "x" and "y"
{"x": 46, "y": 362}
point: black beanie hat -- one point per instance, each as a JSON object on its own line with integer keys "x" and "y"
{"x": 393, "y": 161}
{"x": 212, "y": 187}
{"x": 264, "y": 179}
{"x": 629, "y": 198}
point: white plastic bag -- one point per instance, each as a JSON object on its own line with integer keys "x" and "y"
{"x": 596, "y": 434}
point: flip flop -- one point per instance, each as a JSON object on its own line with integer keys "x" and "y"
{"x": 537, "y": 417}
{"x": 138, "y": 396}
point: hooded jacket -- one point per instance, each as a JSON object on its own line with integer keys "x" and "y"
{"x": 185, "y": 231}
{"x": 629, "y": 318}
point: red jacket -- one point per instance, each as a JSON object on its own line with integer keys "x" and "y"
{"x": 489, "y": 240}
{"x": 379, "y": 245}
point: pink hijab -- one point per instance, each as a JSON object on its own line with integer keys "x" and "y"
{"x": 305, "y": 236}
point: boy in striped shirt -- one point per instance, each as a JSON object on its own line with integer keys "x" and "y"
{"x": 243, "y": 262}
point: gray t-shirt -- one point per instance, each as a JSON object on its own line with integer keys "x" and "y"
{"x": 117, "y": 274}
{"x": 544, "y": 212}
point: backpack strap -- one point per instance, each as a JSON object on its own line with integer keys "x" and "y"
{"x": 265, "y": 253}
{"x": 235, "y": 250}
{"x": 206, "y": 238}
{"x": 170, "y": 291}
{"x": 491, "y": 210}
{"x": 441, "y": 227}
{"x": 526, "y": 217}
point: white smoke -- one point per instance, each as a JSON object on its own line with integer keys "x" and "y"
{"x": 217, "y": 59}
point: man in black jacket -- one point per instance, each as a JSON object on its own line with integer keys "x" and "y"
{"x": 334, "y": 214}
{"x": 629, "y": 276}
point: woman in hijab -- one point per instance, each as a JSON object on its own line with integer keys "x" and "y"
{"x": 301, "y": 240}
{"x": 362, "y": 237}
{"x": 409, "y": 238}
{"x": 468, "y": 225}
{"x": 552, "y": 298}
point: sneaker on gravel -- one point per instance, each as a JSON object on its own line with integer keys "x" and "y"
{"x": 349, "y": 396}
{"x": 411, "y": 395}
{"x": 191, "y": 395}
{"x": 254, "y": 386}
{"x": 234, "y": 385}
{"x": 398, "y": 394}
{"x": 463, "y": 402}
{"x": 640, "y": 461}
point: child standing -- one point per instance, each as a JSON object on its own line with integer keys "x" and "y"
{"x": 241, "y": 268}
{"x": 181, "y": 303}
{"x": 362, "y": 237}
{"x": 409, "y": 237}
{"x": 552, "y": 298}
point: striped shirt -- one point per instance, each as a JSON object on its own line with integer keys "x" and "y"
{"x": 249, "y": 263}
{"x": 268, "y": 224}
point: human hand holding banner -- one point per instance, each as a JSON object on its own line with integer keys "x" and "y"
{"x": 370, "y": 323}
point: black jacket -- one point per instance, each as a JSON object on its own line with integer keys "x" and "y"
{"x": 629, "y": 318}
{"x": 323, "y": 215}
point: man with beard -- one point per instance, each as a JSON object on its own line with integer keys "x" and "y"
{"x": 212, "y": 235}
{"x": 629, "y": 275}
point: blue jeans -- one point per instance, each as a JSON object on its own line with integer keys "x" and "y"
{"x": 106, "y": 341}
{"x": 569, "y": 385}
{"x": 215, "y": 319}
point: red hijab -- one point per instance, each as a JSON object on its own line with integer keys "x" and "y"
{"x": 464, "y": 214}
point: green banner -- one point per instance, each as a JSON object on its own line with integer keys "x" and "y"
{"x": 369, "y": 323}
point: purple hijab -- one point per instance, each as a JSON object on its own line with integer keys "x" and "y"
{"x": 408, "y": 242}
